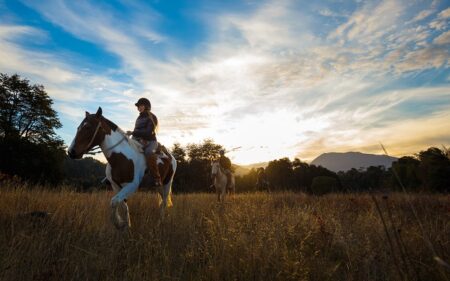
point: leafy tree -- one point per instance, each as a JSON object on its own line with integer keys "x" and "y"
{"x": 179, "y": 153}
{"x": 26, "y": 112}
{"x": 29, "y": 146}
{"x": 280, "y": 173}
{"x": 434, "y": 169}
{"x": 360, "y": 180}
{"x": 324, "y": 184}
{"x": 194, "y": 173}
{"x": 30, "y": 161}
{"x": 181, "y": 179}
{"x": 247, "y": 182}
{"x": 206, "y": 151}
{"x": 407, "y": 170}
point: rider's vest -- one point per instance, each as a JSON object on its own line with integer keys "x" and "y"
{"x": 225, "y": 162}
{"x": 145, "y": 126}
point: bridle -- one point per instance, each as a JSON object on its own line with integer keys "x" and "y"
{"x": 92, "y": 150}
{"x": 93, "y": 136}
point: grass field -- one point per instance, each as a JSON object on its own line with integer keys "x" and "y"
{"x": 259, "y": 236}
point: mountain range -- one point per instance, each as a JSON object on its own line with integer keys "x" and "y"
{"x": 336, "y": 162}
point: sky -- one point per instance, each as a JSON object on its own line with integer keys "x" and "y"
{"x": 265, "y": 79}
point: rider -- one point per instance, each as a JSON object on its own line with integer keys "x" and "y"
{"x": 225, "y": 163}
{"x": 144, "y": 132}
{"x": 261, "y": 180}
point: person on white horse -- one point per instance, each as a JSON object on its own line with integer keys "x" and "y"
{"x": 145, "y": 132}
{"x": 225, "y": 164}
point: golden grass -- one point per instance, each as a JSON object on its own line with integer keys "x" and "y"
{"x": 259, "y": 236}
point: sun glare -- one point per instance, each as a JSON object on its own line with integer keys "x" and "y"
{"x": 268, "y": 136}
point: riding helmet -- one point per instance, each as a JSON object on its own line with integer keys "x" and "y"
{"x": 145, "y": 102}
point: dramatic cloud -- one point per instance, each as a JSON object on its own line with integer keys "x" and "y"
{"x": 274, "y": 78}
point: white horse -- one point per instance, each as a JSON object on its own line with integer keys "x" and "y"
{"x": 220, "y": 181}
{"x": 126, "y": 163}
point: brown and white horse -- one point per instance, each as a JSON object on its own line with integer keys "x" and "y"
{"x": 219, "y": 179}
{"x": 126, "y": 163}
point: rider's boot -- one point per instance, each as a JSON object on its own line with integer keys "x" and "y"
{"x": 152, "y": 166}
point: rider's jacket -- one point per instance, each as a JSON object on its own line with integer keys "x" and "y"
{"x": 145, "y": 126}
{"x": 225, "y": 162}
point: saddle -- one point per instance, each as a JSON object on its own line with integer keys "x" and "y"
{"x": 164, "y": 167}
{"x": 160, "y": 150}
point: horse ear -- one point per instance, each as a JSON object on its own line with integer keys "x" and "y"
{"x": 87, "y": 114}
{"x": 99, "y": 112}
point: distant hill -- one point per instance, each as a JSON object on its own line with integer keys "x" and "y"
{"x": 336, "y": 162}
{"x": 84, "y": 173}
{"x": 241, "y": 170}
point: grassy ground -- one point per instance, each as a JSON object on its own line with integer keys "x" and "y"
{"x": 260, "y": 236}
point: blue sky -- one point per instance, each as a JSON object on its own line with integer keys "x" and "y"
{"x": 275, "y": 78}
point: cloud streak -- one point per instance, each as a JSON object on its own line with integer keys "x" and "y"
{"x": 265, "y": 79}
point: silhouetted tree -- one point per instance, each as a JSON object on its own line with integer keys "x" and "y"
{"x": 84, "y": 174}
{"x": 246, "y": 183}
{"x": 407, "y": 170}
{"x": 179, "y": 153}
{"x": 280, "y": 173}
{"x": 362, "y": 180}
{"x": 324, "y": 184}
{"x": 182, "y": 178}
{"x": 193, "y": 173}
{"x": 434, "y": 169}
{"x": 206, "y": 151}
{"x": 26, "y": 112}
{"x": 29, "y": 146}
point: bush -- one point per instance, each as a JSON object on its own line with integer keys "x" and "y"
{"x": 324, "y": 184}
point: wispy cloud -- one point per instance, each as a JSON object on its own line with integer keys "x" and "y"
{"x": 262, "y": 78}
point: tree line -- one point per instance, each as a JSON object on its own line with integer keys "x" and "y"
{"x": 31, "y": 150}
{"x": 427, "y": 171}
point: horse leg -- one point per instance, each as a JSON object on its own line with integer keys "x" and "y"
{"x": 115, "y": 217}
{"x": 127, "y": 213}
{"x": 117, "y": 201}
{"x": 224, "y": 193}
{"x": 162, "y": 202}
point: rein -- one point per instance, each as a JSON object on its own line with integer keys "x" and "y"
{"x": 119, "y": 142}
{"x": 91, "y": 151}
{"x": 93, "y": 137}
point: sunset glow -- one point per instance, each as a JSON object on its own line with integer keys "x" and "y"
{"x": 265, "y": 79}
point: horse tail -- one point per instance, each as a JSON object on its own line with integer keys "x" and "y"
{"x": 174, "y": 168}
{"x": 174, "y": 165}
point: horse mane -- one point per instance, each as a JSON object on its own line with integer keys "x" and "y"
{"x": 132, "y": 142}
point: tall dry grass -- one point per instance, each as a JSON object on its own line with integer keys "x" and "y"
{"x": 259, "y": 236}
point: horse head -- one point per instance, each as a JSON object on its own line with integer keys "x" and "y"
{"x": 215, "y": 167}
{"x": 90, "y": 133}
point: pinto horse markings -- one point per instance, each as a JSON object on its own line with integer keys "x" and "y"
{"x": 126, "y": 162}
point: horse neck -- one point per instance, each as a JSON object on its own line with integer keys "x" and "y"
{"x": 113, "y": 142}
{"x": 220, "y": 175}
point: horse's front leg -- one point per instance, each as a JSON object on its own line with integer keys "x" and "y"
{"x": 119, "y": 201}
{"x": 224, "y": 192}
{"x": 217, "y": 191}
